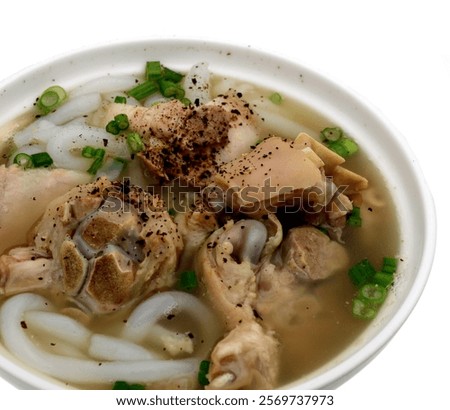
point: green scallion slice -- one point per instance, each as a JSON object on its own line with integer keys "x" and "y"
{"x": 41, "y": 160}
{"x": 98, "y": 161}
{"x": 122, "y": 121}
{"x": 343, "y": 146}
{"x": 188, "y": 280}
{"x": 113, "y": 127}
{"x": 276, "y": 98}
{"x": 362, "y": 273}
{"x": 88, "y": 152}
{"x": 122, "y": 385}
{"x": 203, "y": 372}
{"x": 134, "y": 142}
{"x": 169, "y": 89}
{"x": 389, "y": 265}
{"x": 355, "y": 217}
{"x": 153, "y": 70}
{"x": 372, "y": 293}
{"x": 23, "y": 160}
{"x": 331, "y": 134}
{"x": 383, "y": 279}
{"x": 119, "y": 99}
{"x": 144, "y": 90}
{"x": 363, "y": 310}
{"x": 171, "y": 75}
{"x": 51, "y": 99}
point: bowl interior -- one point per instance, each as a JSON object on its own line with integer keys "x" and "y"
{"x": 378, "y": 139}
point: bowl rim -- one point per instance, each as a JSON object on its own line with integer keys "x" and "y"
{"x": 331, "y": 377}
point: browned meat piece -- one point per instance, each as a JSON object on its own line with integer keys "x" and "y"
{"x": 273, "y": 174}
{"x": 311, "y": 255}
{"x": 189, "y": 142}
{"x": 105, "y": 243}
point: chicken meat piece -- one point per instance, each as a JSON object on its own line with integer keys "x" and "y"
{"x": 105, "y": 245}
{"x": 296, "y": 175}
{"x": 227, "y": 262}
{"x": 24, "y": 196}
{"x": 194, "y": 226}
{"x": 285, "y": 282}
{"x": 188, "y": 142}
{"x": 247, "y": 358}
{"x": 273, "y": 174}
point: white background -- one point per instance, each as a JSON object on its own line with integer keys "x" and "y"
{"x": 396, "y": 54}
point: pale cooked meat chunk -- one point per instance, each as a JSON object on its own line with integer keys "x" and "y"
{"x": 24, "y": 196}
{"x": 247, "y": 358}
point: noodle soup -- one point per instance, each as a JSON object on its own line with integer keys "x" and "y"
{"x": 187, "y": 230}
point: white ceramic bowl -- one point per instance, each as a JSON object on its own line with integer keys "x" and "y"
{"x": 376, "y": 136}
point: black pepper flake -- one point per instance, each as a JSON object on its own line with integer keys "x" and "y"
{"x": 23, "y": 324}
{"x": 170, "y": 317}
{"x": 256, "y": 314}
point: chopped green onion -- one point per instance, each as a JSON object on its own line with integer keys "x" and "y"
{"x": 362, "y": 273}
{"x": 331, "y": 134}
{"x": 120, "y": 99}
{"x": 41, "y": 159}
{"x": 343, "y": 146}
{"x": 122, "y": 385}
{"x": 51, "y": 99}
{"x": 383, "y": 279}
{"x": 143, "y": 90}
{"x": 113, "y": 127}
{"x": 188, "y": 280}
{"x": 134, "y": 142}
{"x": 88, "y": 152}
{"x": 373, "y": 286}
{"x": 122, "y": 121}
{"x": 389, "y": 265}
{"x": 23, "y": 160}
{"x": 98, "y": 161}
{"x": 186, "y": 101}
{"x": 38, "y": 160}
{"x": 372, "y": 293}
{"x": 203, "y": 372}
{"x": 363, "y": 310}
{"x": 170, "y": 89}
{"x": 355, "y": 217}
{"x": 276, "y": 98}
{"x": 171, "y": 75}
{"x": 153, "y": 70}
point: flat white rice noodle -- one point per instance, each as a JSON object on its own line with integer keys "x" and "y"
{"x": 174, "y": 343}
{"x": 196, "y": 83}
{"x": 60, "y": 326}
{"x": 103, "y": 347}
{"x": 276, "y": 123}
{"x": 141, "y": 323}
{"x": 74, "y": 108}
{"x": 105, "y": 84}
{"x": 76, "y": 370}
{"x": 38, "y": 131}
{"x": 66, "y": 148}
{"x": 111, "y": 170}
